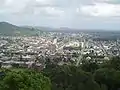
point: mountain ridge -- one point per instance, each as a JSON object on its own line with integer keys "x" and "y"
{"x": 12, "y": 30}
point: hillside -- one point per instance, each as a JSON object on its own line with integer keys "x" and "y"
{"x": 11, "y": 30}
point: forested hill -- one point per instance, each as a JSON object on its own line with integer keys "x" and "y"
{"x": 11, "y": 30}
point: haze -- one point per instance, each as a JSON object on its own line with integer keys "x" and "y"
{"x": 80, "y": 14}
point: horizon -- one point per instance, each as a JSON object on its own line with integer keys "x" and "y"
{"x": 79, "y": 14}
{"x": 61, "y": 28}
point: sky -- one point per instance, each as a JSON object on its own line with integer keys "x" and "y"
{"x": 79, "y": 14}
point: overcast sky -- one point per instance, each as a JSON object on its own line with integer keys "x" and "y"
{"x": 82, "y": 14}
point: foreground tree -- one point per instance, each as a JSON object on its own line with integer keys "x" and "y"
{"x": 108, "y": 77}
{"x": 70, "y": 78}
{"x": 24, "y": 80}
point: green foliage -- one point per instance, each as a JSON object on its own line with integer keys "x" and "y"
{"x": 70, "y": 78}
{"x": 15, "y": 65}
{"x": 24, "y": 80}
{"x": 89, "y": 66}
{"x": 114, "y": 63}
{"x": 90, "y": 75}
{"x": 12, "y": 30}
{"x": 108, "y": 77}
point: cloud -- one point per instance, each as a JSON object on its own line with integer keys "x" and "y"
{"x": 109, "y": 1}
{"x": 26, "y": 7}
{"x": 56, "y": 13}
{"x": 100, "y": 9}
{"x": 53, "y": 11}
{"x": 11, "y": 6}
{"x": 2, "y": 2}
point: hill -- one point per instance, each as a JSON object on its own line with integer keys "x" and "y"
{"x": 12, "y": 30}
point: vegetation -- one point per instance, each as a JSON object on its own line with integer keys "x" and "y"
{"x": 70, "y": 78}
{"x": 19, "y": 79}
{"x": 12, "y": 30}
{"x": 90, "y": 75}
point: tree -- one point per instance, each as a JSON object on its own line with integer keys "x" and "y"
{"x": 108, "y": 77}
{"x": 71, "y": 78}
{"x": 24, "y": 80}
{"x": 14, "y": 65}
{"x": 89, "y": 66}
{"x": 114, "y": 63}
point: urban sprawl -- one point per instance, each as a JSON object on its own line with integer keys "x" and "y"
{"x": 54, "y": 47}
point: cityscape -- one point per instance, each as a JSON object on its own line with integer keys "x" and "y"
{"x": 29, "y": 52}
{"x": 59, "y": 47}
{"x": 59, "y": 44}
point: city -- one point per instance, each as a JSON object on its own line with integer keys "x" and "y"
{"x": 59, "y": 48}
{"x": 59, "y": 44}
